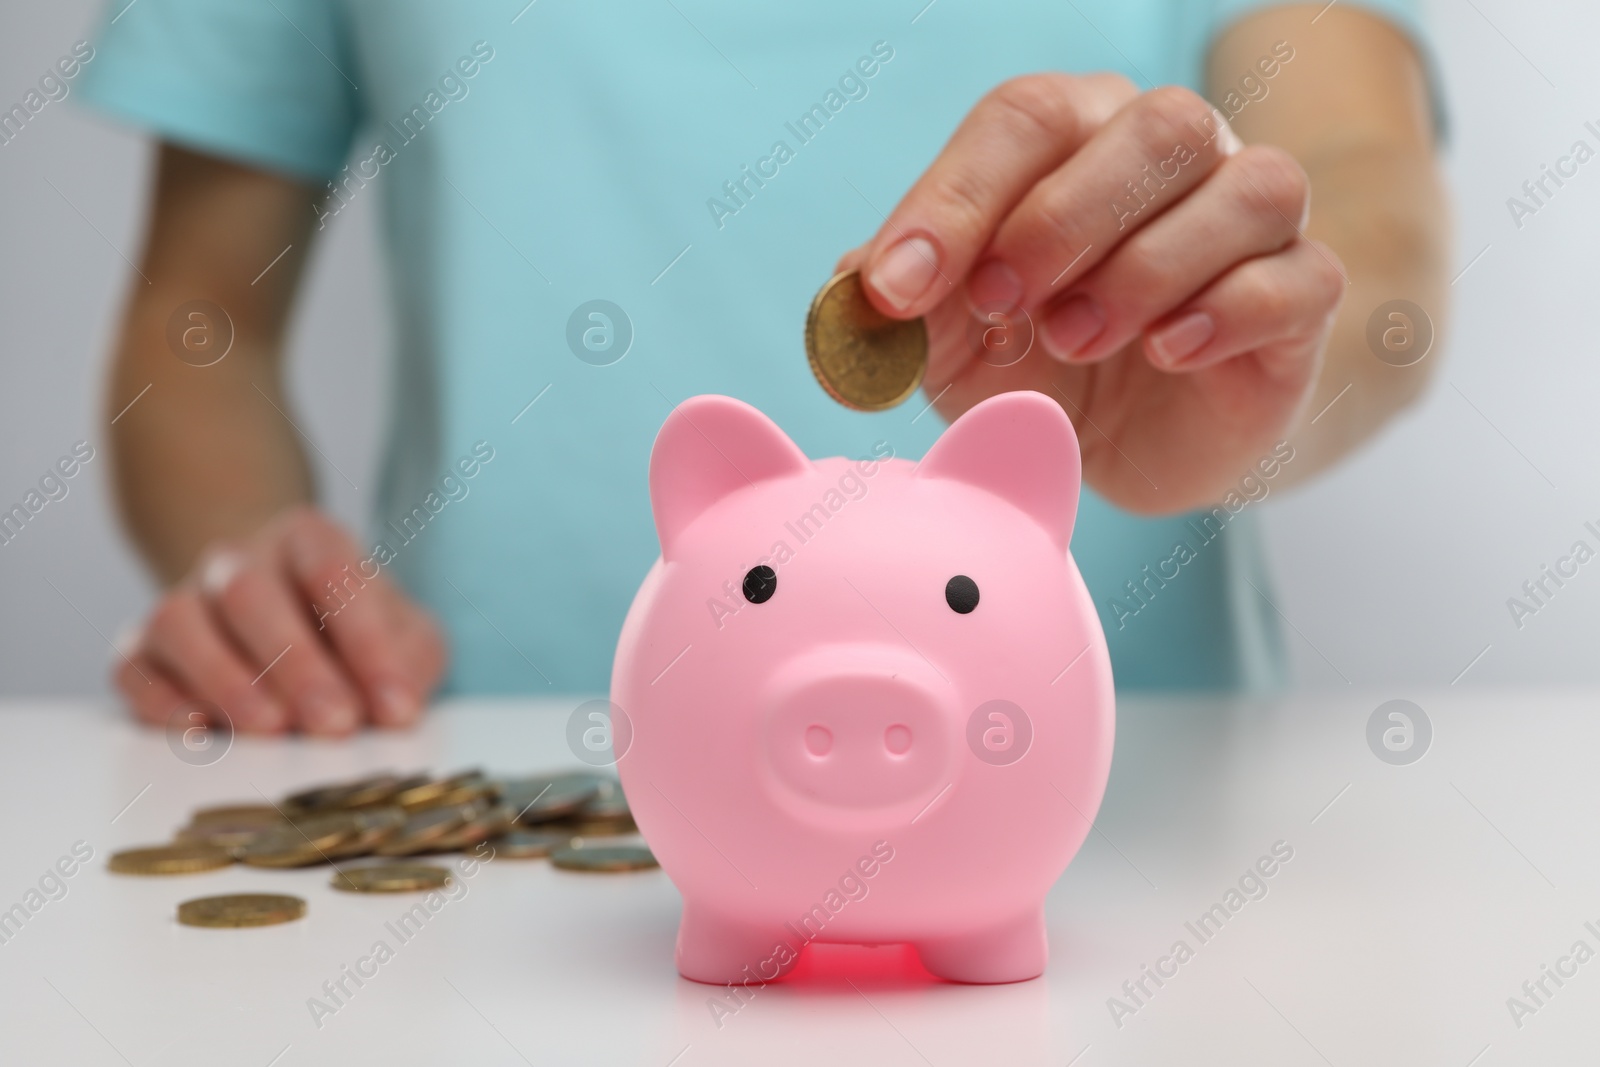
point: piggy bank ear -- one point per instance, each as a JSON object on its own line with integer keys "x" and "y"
{"x": 711, "y": 446}
{"x": 1021, "y": 447}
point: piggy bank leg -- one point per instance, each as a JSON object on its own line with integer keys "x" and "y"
{"x": 1013, "y": 951}
{"x": 713, "y": 949}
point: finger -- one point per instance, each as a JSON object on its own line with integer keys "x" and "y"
{"x": 851, "y": 260}
{"x": 955, "y": 340}
{"x": 187, "y": 644}
{"x": 1283, "y": 303}
{"x": 1015, "y": 135}
{"x": 151, "y": 695}
{"x": 1254, "y": 204}
{"x": 328, "y": 568}
{"x": 266, "y": 616}
{"x": 421, "y": 643}
{"x": 1145, "y": 159}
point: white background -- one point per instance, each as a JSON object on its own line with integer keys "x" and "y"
{"x": 1394, "y": 572}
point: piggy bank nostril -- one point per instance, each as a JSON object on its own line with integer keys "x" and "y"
{"x": 897, "y": 739}
{"x": 819, "y": 740}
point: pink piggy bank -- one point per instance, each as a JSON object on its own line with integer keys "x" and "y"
{"x": 870, "y": 701}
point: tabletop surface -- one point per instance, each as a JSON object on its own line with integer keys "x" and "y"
{"x": 1421, "y": 905}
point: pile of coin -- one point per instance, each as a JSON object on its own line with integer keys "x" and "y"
{"x": 573, "y": 817}
{"x": 864, "y": 359}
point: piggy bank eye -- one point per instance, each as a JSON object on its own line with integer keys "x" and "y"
{"x": 960, "y": 592}
{"x": 761, "y": 582}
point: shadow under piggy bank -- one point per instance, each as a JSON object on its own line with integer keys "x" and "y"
{"x": 879, "y": 1006}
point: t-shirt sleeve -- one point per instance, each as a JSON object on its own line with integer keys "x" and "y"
{"x": 270, "y": 83}
{"x": 1404, "y": 15}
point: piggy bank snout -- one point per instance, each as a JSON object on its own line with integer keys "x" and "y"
{"x": 864, "y": 728}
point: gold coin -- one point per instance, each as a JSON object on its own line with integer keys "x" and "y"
{"x": 170, "y": 859}
{"x": 316, "y": 798}
{"x": 302, "y": 843}
{"x": 241, "y": 909}
{"x": 419, "y": 793}
{"x": 281, "y": 851}
{"x": 328, "y": 829}
{"x": 378, "y": 789}
{"x": 219, "y": 835}
{"x": 551, "y": 796}
{"x": 374, "y": 827}
{"x": 604, "y": 858}
{"x": 262, "y": 815}
{"x": 406, "y": 784}
{"x": 430, "y": 792}
{"x": 423, "y": 830}
{"x": 390, "y": 878}
{"x": 483, "y": 824}
{"x": 600, "y": 827}
{"x": 863, "y": 358}
{"x": 608, "y": 804}
{"x": 473, "y": 792}
{"x": 606, "y": 814}
{"x": 529, "y": 844}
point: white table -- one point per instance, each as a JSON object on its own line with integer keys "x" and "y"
{"x": 1418, "y": 899}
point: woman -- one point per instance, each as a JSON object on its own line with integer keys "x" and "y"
{"x": 591, "y": 214}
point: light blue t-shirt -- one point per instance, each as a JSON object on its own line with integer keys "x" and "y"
{"x": 531, "y": 158}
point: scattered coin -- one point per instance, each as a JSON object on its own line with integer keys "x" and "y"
{"x": 608, "y": 803}
{"x": 605, "y": 814}
{"x": 604, "y": 858}
{"x": 601, "y": 828}
{"x": 219, "y": 835}
{"x": 530, "y": 844}
{"x": 864, "y": 359}
{"x": 482, "y": 824}
{"x": 329, "y": 828}
{"x": 432, "y": 792}
{"x": 374, "y": 826}
{"x": 170, "y": 859}
{"x": 478, "y": 790}
{"x": 317, "y": 798}
{"x": 553, "y": 796}
{"x": 238, "y": 814}
{"x": 390, "y": 878}
{"x": 241, "y": 909}
{"x": 291, "y": 846}
{"x": 406, "y": 785}
{"x": 423, "y": 831}
{"x": 378, "y": 789}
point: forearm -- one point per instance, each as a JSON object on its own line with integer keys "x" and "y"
{"x": 202, "y": 454}
{"x": 1349, "y": 101}
{"x": 201, "y": 442}
{"x": 1382, "y": 211}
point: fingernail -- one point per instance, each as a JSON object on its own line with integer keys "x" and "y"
{"x": 1228, "y": 142}
{"x": 993, "y": 286}
{"x": 1181, "y": 338}
{"x": 127, "y": 643}
{"x": 218, "y": 571}
{"x": 395, "y": 706}
{"x": 906, "y": 271}
{"x": 1071, "y": 326}
{"x": 330, "y": 715}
